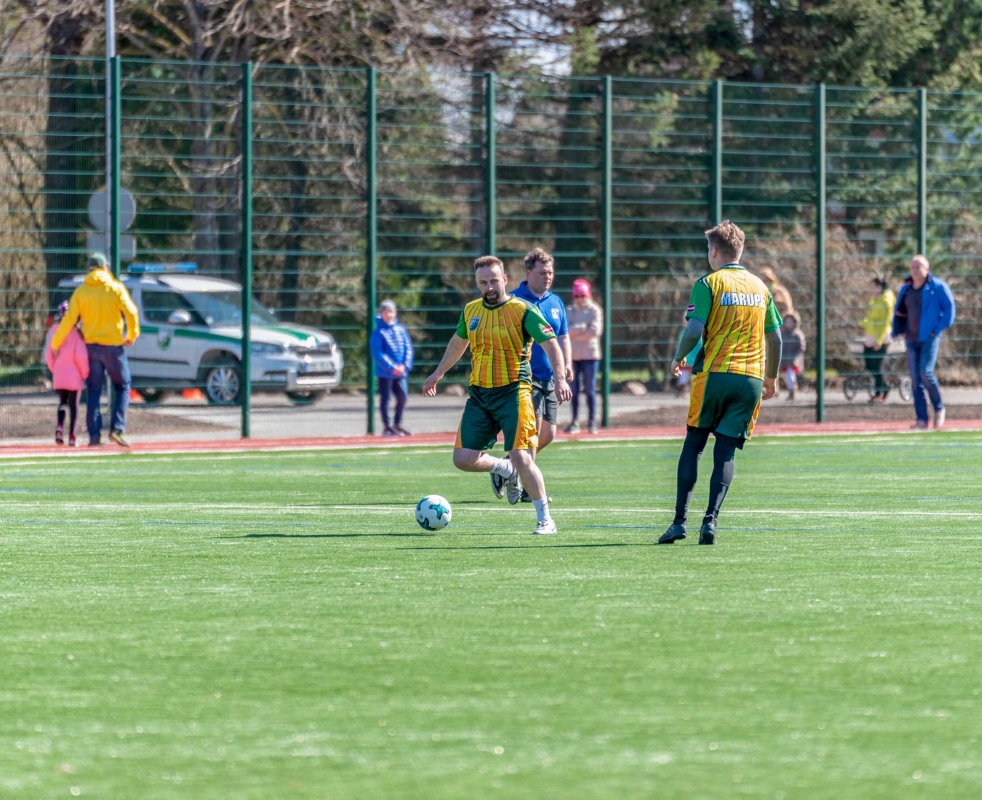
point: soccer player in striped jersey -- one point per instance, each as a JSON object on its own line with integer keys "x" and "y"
{"x": 734, "y": 315}
{"x": 499, "y": 330}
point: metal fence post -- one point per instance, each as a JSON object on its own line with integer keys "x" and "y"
{"x": 371, "y": 236}
{"x": 716, "y": 176}
{"x": 606, "y": 237}
{"x": 820, "y": 252}
{"x": 922, "y": 171}
{"x": 116, "y": 177}
{"x": 490, "y": 168}
{"x": 245, "y": 249}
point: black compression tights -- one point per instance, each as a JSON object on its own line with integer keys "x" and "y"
{"x": 724, "y": 454}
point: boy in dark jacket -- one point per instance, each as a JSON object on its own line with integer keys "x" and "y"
{"x": 925, "y": 309}
{"x": 392, "y": 352}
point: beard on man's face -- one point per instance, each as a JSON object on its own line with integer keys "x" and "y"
{"x": 491, "y": 296}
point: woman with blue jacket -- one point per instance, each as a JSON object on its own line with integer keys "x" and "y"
{"x": 392, "y": 352}
{"x": 925, "y": 309}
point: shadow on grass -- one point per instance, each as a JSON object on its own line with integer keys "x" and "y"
{"x": 327, "y": 536}
{"x": 535, "y": 546}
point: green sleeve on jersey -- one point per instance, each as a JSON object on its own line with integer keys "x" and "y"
{"x": 462, "y": 327}
{"x": 772, "y": 317}
{"x": 700, "y": 302}
{"x": 537, "y": 326}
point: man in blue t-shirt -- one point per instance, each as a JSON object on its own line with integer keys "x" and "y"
{"x": 540, "y": 271}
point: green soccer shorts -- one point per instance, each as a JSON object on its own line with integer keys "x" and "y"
{"x": 725, "y": 403}
{"x": 507, "y": 409}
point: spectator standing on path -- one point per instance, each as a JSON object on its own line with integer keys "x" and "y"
{"x": 586, "y": 326}
{"x": 780, "y": 293}
{"x": 69, "y": 369}
{"x": 876, "y": 327}
{"x": 925, "y": 309}
{"x": 792, "y": 353}
{"x": 392, "y": 352}
{"x": 103, "y": 305}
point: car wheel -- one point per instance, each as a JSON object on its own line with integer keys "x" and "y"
{"x": 223, "y": 383}
{"x": 154, "y": 395}
{"x": 304, "y": 398}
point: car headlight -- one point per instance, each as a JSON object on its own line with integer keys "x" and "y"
{"x": 267, "y": 349}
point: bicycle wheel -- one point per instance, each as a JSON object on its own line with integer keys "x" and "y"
{"x": 904, "y": 388}
{"x": 850, "y": 387}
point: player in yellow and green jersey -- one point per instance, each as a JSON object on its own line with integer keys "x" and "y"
{"x": 499, "y": 330}
{"x": 734, "y": 315}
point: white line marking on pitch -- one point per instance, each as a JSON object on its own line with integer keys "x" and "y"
{"x": 462, "y": 508}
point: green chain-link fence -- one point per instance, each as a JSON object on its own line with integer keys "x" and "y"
{"x": 366, "y": 185}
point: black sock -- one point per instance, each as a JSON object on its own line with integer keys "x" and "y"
{"x": 724, "y": 454}
{"x": 688, "y": 473}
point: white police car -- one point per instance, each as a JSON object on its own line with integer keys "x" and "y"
{"x": 191, "y": 336}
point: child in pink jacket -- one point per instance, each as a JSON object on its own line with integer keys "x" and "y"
{"x": 69, "y": 368}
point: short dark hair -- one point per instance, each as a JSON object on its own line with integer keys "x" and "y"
{"x": 727, "y": 238}
{"x": 488, "y": 261}
{"x": 535, "y": 255}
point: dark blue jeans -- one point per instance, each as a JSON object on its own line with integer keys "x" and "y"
{"x": 921, "y": 358}
{"x": 107, "y": 360}
{"x": 387, "y": 387}
{"x": 585, "y": 376}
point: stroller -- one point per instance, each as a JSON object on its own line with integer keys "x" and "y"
{"x": 894, "y": 371}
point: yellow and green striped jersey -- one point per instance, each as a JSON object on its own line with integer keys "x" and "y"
{"x": 738, "y": 311}
{"x": 501, "y": 340}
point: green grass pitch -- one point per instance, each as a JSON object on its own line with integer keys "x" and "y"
{"x": 276, "y": 626}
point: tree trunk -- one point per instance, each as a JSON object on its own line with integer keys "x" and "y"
{"x": 296, "y": 224}
{"x": 204, "y": 185}
{"x": 573, "y": 234}
{"x": 61, "y": 183}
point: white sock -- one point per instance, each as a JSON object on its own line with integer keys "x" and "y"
{"x": 503, "y": 467}
{"x": 541, "y": 510}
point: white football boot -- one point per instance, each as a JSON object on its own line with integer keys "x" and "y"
{"x": 545, "y": 528}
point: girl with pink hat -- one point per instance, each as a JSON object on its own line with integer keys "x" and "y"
{"x": 69, "y": 369}
{"x": 586, "y": 326}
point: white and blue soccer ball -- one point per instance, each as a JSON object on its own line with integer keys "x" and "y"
{"x": 433, "y": 513}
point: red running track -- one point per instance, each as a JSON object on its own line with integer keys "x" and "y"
{"x": 447, "y": 439}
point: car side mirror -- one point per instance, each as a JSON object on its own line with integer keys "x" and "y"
{"x": 179, "y": 317}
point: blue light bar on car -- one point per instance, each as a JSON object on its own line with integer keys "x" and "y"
{"x": 180, "y": 266}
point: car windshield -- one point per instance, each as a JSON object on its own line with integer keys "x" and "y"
{"x": 225, "y": 308}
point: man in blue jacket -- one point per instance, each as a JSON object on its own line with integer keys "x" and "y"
{"x": 925, "y": 309}
{"x": 540, "y": 272}
{"x": 392, "y": 352}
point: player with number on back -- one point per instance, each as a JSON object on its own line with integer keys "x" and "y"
{"x": 733, "y": 313}
{"x": 499, "y": 329}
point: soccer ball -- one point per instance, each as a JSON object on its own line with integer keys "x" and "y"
{"x": 433, "y": 513}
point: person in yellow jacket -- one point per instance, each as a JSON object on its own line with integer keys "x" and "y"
{"x": 876, "y": 325}
{"x": 103, "y": 305}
